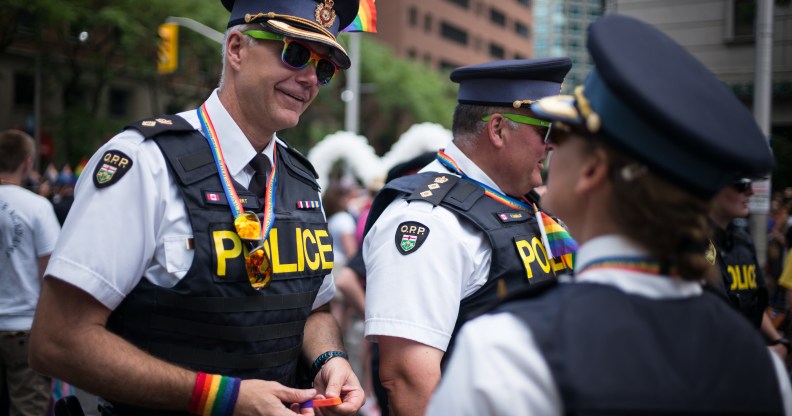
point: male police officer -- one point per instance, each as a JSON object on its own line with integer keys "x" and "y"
{"x": 165, "y": 291}
{"x": 458, "y": 235}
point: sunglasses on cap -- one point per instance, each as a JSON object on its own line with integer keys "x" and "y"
{"x": 297, "y": 55}
{"x": 518, "y": 118}
{"x": 742, "y": 186}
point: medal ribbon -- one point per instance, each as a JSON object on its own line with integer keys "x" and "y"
{"x": 555, "y": 238}
{"x": 225, "y": 178}
{"x": 634, "y": 264}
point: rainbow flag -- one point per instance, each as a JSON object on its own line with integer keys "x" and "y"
{"x": 555, "y": 238}
{"x": 366, "y": 19}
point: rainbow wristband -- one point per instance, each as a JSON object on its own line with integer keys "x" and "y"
{"x": 214, "y": 395}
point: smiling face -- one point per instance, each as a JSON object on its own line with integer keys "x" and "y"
{"x": 523, "y": 155}
{"x": 271, "y": 96}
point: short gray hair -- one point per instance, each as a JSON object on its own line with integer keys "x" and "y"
{"x": 250, "y": 40}
{"x": 467, "y": 122}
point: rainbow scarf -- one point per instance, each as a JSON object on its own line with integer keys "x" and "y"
{"x": 366, "y": 19}
{"x": 555, "y": 238}
{"x": 225, "y": 178}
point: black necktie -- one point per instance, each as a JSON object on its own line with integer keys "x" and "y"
{"x": 261, "y": 166}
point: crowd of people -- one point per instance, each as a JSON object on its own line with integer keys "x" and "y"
{"x": 202, "y": 270}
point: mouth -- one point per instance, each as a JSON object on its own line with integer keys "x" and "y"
{"x": 293, "y": 96}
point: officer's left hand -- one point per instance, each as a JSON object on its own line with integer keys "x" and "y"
{"x": 336, "y": 379}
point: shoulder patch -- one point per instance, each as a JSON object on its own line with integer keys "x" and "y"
{"x": 151, "y": 127}
{"x": 410, "y": 235}
{"x": 113, "y": 166}
{"x": 434, "y": 188}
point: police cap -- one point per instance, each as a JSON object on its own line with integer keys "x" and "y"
{"x": 312, "y": 20}
{"x": 510, "y": 83}
{"x": 651, "y": 98}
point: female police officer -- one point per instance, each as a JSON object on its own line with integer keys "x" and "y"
{"x": 648, "y": 140}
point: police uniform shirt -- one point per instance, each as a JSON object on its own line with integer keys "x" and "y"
{"x": 451, "y": 264}
{"x": 139, "y": 226}
{"x": 516, "y": 376}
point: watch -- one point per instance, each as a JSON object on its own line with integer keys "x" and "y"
{"x": 783, "y": 341}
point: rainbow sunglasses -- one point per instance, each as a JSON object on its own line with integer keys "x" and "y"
{"x": 297, "y": 55}
{"x": 518, "y": 118}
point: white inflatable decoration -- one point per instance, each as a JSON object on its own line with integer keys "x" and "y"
{"x": 360, "y": 158}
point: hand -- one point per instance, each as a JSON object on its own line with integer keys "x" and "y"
{"x": 336, "y": 379}
{"x": 780, "y": 350}
{"x": 259, "y": 397}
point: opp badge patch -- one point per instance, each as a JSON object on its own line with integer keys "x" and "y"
{"x": 111, "y": 168}
{"x": 410, "y": 235}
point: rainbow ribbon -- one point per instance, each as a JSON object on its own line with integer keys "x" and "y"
{"x": 225, "y": 178}
{"x": 634, "y": 264}
{"x": 555, "y": 238}
{"x": 366, "y": 19}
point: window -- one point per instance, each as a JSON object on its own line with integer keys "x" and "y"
{"x": 744, "y": 18}
{"x": 526, "y": 3}
{"x": 521, "y": 30}
{"x": 461, "y": 3}
{"x": 428, "y": 23}
{"x": 24, "y": 89}
{"x": 118, "y": 102}
{"x": 497, "y": 17}
{"x": 448, "y": 66}
{"x": 496, "y": 51}
{"x": 413, "y": 16}
{"x": 519, "y": 56}
{"x": 411, "y": 53}
{"x": 453, "y": 33}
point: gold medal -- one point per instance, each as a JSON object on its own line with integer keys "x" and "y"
{"x": 248, "y": 226}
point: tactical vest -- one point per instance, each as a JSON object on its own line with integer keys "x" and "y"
{"x": 743, "y": 281}
{"x": 518, "y": 256}
{"x": 611, "y": 353}
{"x": 213, "y": 320}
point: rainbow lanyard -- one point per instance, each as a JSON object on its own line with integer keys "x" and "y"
{"x": 225, "y": 178}
{"x": 510, "y": 202}
{"x": 633, "y": 264}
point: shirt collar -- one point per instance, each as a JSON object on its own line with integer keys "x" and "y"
{"x": 633, "y": 282}
{"x": 468, "y": 166}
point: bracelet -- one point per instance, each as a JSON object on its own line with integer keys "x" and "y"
{"x": 783, "y": 341}
{"x": 214, "y": 394}
{"x": 324, "y": 358}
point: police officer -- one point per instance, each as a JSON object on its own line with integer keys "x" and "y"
{"x": 740, "y": 276}
{"x": 634, "y": 333}
{"x": 462, "y": 232}
{"x": 193, "y": 271}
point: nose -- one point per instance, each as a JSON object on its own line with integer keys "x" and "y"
{"x": 307, "y": 75}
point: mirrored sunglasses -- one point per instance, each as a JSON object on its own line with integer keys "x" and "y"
{"x": 297, "y": 55}
{"x": 742, "y": 186}
{"x": 257, "y": 263}
{"x": 519, "y": 118}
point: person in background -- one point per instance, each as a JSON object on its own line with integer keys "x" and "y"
{"x": 635, "y": 165}
{"x": 461, "y": 233}
{"x": 28, "y": 233}
{"x": 740, "y": 276}
{"x": 193, "y": 272}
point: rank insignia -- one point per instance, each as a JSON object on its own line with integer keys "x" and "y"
{"x": 149, "y": 123}
{"x": 325, "y": 15}
{"x": 433, "y": 186}
{"x": 111, "y": 168}
{"x": 307, "y": 204}
{"x": 426, "y": 194}
{"x": 441, "y": 179}
{"x": 164, "y": 121}
{"x": 711, "y": 254}
{"x": 410, "y": 235}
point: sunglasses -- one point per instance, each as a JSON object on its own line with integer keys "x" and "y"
{"x": 742, "y": 186}
{"x": 257, "y": 263}
{"x": 297, "y": 55}
{"x": 518, "y": 118}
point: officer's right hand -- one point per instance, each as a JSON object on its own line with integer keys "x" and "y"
{"x": 259, "y": 397}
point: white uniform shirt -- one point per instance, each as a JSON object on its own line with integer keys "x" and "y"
{"x": 416, "y": 296}
{"x": 28, "y": 230}
{"x": 515, "y": 377}
{"x": 138, "y": 227}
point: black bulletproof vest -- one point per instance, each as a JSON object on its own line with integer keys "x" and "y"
{"x": 611, "y": 353}
{"x": 518, "y": 256}
{"x": 743, "y": 281}
{"x": 213, "y": 320}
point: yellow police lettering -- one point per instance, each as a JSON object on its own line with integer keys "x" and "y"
{"x": 527, "y": 255}
{"x": 313, "y": 263}
{"x": 300, "y": 253}
{"x": 224, "y": 254}
{"x": 537, "y": 246}
{"x": 324, "y": 248}
{"x": 277, "y": 266}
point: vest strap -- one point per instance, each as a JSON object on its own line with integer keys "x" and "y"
{"x": 201, "y": 358}
{"x": 245, "y": 304}
{"x": 229, "y": 333}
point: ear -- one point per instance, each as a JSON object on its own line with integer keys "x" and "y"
{"x": 234, "y": 46}
{"x": 593, "y": 172}
{"x": 496, "y": 130}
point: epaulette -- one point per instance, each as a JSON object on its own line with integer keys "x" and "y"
{"x": 434, "y": 188}
{"x": 151, "y": 127}
{"x": 302, "y": 159}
